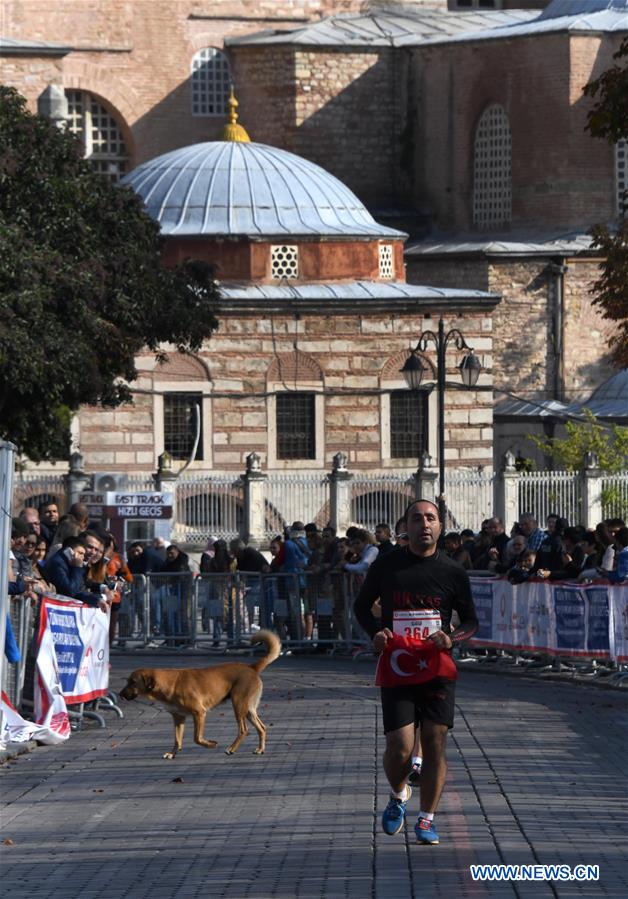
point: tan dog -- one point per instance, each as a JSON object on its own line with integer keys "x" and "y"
{"x": 193, "y": 691}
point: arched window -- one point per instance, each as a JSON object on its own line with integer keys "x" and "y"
{"x": 492, "y": 188}
{"x": 99, "y": 133}
{"x": 211, "y": 80}
{"x": 621, "y": 177}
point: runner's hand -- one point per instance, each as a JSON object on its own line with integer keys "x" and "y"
{"x": 442, "y": 640}
{"x": 380, "y": 640}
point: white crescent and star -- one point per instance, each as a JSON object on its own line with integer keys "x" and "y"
{"x": 394, "y": 664}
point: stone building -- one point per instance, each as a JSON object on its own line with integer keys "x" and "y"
{"x": 463, "y": 127}
{"x": 316, "y": 322}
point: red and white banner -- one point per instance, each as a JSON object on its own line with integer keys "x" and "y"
{"x": 54, "y": 729}
{"x": 72, "y": 656}
{"x": 405, "y": 661}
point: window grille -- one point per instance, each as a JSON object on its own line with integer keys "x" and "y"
{"x": 296, "y": 426}
{"x": 284, "y": 262}
{"x": 180, "y": 424}
{"x": 211, "y": 82}
{"x": 99, "y": 133}
{"x": 621, "y": 177}
{"x": 408, "y": 424}
{"x": 492, "y": 187}
{"x": 386, "y": 268}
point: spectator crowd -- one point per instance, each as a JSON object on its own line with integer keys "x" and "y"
{"x": 306, "y": 569}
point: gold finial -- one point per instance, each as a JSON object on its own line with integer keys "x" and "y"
{"x": 233, "y": 131}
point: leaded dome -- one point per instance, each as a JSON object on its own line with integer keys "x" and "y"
{"x": 227, "y": 188}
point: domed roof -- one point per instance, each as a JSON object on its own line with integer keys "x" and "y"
{"x": 248, "y": 189}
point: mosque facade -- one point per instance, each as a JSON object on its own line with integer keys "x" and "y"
{"x": 460, "y": 127}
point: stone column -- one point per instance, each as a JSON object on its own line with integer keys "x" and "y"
{"x": 340, "y": 494}
{"x": 591, "y": 491}
{"x": 507, "y": 492}
{"x": 76, "y": 481}
{"x": 425, "y": 479}
{"x": 254, "y": 501}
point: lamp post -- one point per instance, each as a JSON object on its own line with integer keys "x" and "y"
{"x": 413, "y": 369}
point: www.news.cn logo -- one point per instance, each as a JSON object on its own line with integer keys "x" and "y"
{"x": 534, "y": 872}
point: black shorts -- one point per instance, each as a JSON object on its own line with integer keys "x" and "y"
{"x": 433, "y": 701}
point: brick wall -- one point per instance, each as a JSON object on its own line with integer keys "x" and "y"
{"x": 561, "y": 177}
{"x": 356, "y": 353}
{"x": 524, "y": 323}
{"x": 137, "y": 55}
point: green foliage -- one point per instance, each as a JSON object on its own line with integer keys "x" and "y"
{"x": 82, "y": 284}
{"x": 608, "y": 120}
{"x": 610, "y": 444}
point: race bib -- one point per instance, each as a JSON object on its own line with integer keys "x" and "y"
{"x": 416, "y": 624}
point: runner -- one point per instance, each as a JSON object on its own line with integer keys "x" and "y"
{"x": 418, "y": 582}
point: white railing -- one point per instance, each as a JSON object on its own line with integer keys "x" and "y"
{"x": 381, "y": 499}
{"x": 31, "y": 489}
{"x": 295, "y": 497}
{"x": 469, "y": 498}
{"x": 615, "y": 495}
{"x": 136, "y": 483}
{"x": 213, "y": 504}
{"x": 545, "y": 493}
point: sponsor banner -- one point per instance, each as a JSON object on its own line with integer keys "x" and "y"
{"x": 541, "y": 616}
{"x": 73, "y": 649}
{"x": 52, "y": 730}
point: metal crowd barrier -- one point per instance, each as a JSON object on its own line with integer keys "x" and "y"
{"x": 221, "y": 611}
{"x": 21, "y": 615}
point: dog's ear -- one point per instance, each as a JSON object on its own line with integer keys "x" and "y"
{"x": 149, "y": 683}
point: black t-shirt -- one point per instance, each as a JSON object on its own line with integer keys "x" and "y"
{"x": 403, "y": 580}
{"x": 251, "y": 560}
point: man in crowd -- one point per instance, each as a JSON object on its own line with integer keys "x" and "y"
{"x": 532, "y": 532}
{"x": 67, "y": 570}
{"x": 456, "y": 551}
{"x": 49, "y": 518}
{"x": 420, "y": 577}
{"x": 31, "y": 517}
{"x": 384, "y": 543}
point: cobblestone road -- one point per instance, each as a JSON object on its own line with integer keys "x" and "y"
{"x": 537, "y": 775}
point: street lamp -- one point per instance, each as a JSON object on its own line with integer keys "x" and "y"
{"x": 413, "y": 369}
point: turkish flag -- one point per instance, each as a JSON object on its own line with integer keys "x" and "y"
{"x": 408, "y": 661}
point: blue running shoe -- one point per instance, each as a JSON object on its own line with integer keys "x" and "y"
{"x": 395, "y": 813}
{"x": 426, "y": 832}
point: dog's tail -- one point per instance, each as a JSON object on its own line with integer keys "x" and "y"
{"x": 273, "y": 644}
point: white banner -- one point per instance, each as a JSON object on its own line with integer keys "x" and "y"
{"x": 558, "y": 618}
{"x": 54, "y": 729}
{"x": 72, "y": 654}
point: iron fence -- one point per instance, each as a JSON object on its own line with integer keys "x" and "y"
{"x": 208, "y": 505}
{"x": 615, "y": 495}
{"x": 545, "y": 493}
{"x": 380, "y": 499}
{"x": 295, "y": 497}
{"x": 469, "y": 499}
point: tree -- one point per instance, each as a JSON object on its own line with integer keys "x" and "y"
{"x": 83, "y": 288}
{"x": 608, "y": 120}
{"x": 588, "y": 436}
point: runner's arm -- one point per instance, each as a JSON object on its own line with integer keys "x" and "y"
{"x": 369, "y": 592}
{"x": 465, "y": 608}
